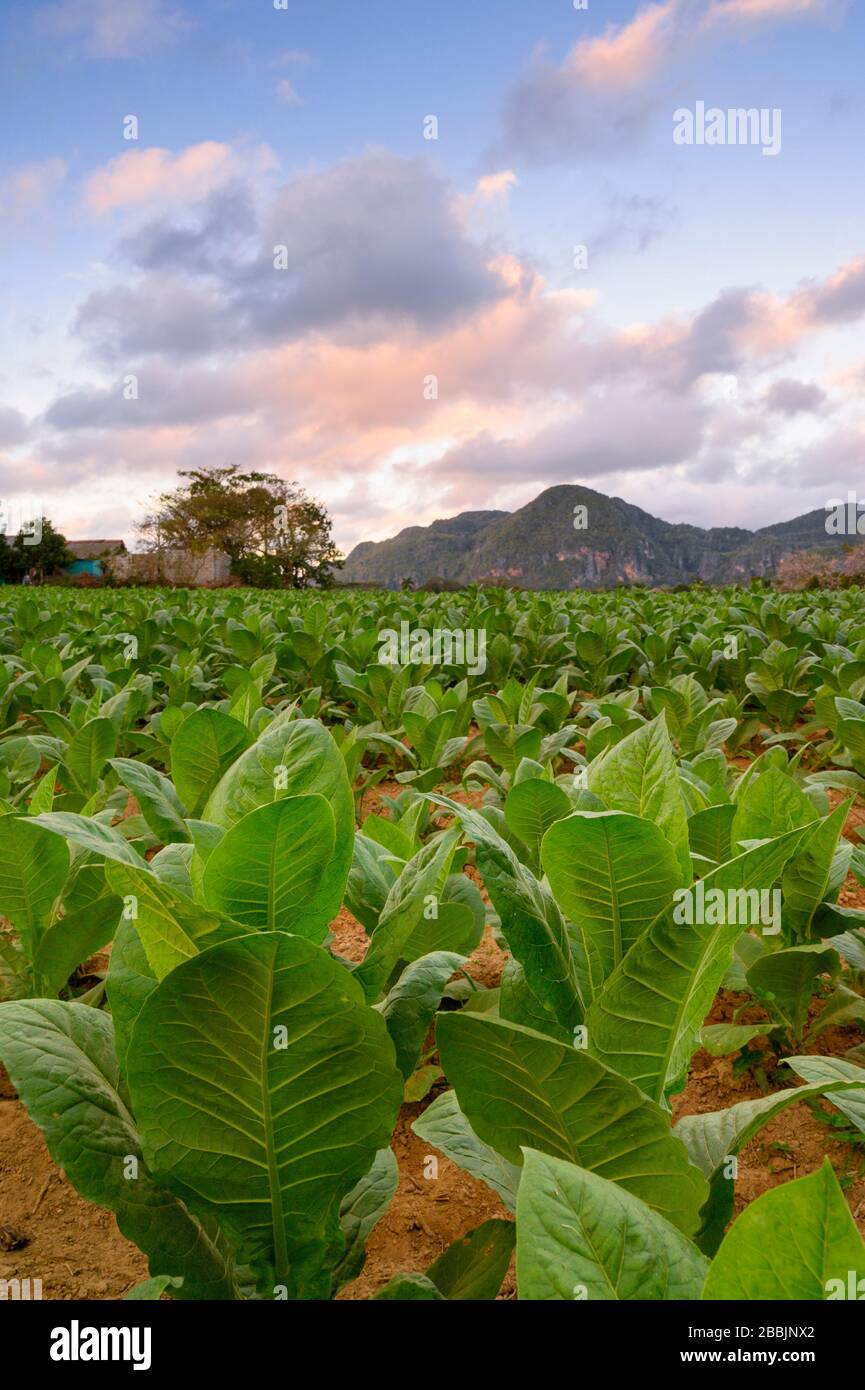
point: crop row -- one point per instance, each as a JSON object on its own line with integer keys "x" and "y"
{"x": 645, "y": 797}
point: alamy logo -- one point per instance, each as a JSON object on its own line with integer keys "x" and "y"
{"x": 77, "y": 1343}
{"x": 737, "y": 126}
{"x": 853, "y": 1288}
{"x": 20, "y": 1290}
{"x": 845, "y": 518}
{"x": 441, "y": 647}
{"x": 712, "y": 907}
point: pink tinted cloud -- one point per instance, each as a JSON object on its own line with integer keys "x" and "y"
{"x": 156, "y": 176}
{"x": 743, "y": 11}
{"x": 627, "y": 53}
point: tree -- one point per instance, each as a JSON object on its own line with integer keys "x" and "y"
{"x": 275, "y": 535}
{"x": 48, "y": 555}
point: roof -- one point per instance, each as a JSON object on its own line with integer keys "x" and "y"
{"x": 91, "y": 550}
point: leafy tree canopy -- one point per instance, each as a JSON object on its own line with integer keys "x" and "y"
{"x": 40, "y": 548}
{"x": 274, "y": 533}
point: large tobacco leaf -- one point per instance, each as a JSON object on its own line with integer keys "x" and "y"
{"x": 521, "y": 1089}
{"x": 639, "y": 775}
{"x": 61, "y": 1059}
{"x": 202, "y": 751}
{"x": 264, "y": 1086}
{"x": 293, "y": 757}
{"x": 269, "y": 867}
{"x": 530, "y": 918}
{"x": 796, "y": 1242}
{"x": 646, "y": 1020}
{"x": 582, "y": 1237}
{"x": 611, "y": 874}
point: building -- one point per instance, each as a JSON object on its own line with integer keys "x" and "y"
{"x": 181, "y": 567}
{"x": 97, "y": 558}
{"x": 93, "y": 557}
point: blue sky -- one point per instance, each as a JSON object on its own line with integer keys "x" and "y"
{"x": 707, "y": 364}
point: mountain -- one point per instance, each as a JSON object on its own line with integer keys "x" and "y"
{"x": 539, "y": 547}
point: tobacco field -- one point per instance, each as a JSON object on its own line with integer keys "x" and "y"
{"x": 294, "y": 942}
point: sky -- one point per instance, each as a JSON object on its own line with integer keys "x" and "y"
{"x": 424, "y": 258}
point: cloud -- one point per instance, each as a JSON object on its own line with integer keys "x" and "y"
{"x": 372, "y": 243}
{"x": 633, "y": 223}
{"x": 599, "y": 101}
{"x": 318, "y": 371}
{"x": 109, "y": 29}
{"x": 623, "y": 429}
{"x": 286, "y": 93}
{"x": 14, "y": 428}
{"x": 754, "y": 11}
{"x": 155, "y": 176}
{"x": 290, "y": 57}
{"x": 26, "y": 189}
{"x": 172, "y": 316}
{"x": 493, "y": 186}
{"x": 790, "y": 397}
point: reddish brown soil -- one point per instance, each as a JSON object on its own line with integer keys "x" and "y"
{"x": 73, "y": 1247}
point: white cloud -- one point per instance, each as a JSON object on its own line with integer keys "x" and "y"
{"x": 287, "y": 94}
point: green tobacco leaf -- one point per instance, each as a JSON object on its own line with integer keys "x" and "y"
{"x": 268, "y": 868}
{"x": 611, "y": 874}
{"x": 771, "y": 805}
{"x": 843, "y": 1006}
{"x": 90, "y": 750}
{"x": 43, "y": 794}
{"x": 370, "y": 879}
{"x": 532, "y": 807}
{"x": 202, "y": 751}
{"x": 172, "y": 866}
{"x": 390, "y": 836}
{"x": 807, "y": 878}
{"x": 73, "y": 939}
{"x": 844, "y": 1080}
{"x": 474, "y": 1267}
{"x": 452, "y": 927}
{"x": 247, "y": 1064}
{"x": 90, "y": 835}
{"x": 150, "y": 1290}
{"x": 62, "y": 1062}
{"x": 639, "y": 775}
{"x": 445, "y": 1127}
{"x": 409, "y": 1007}
{"x": 410, "y": 1288}
{"x": 423, "y": 877}
{"x": 293, "y": 758}
{"x": 709, "y": 832}
{"x": 171, "y": 927}
{"x": 646, "y": 1020}
{"x": 521, "y": 1089}
{"x": 159, "y": 802}
{"x": 796, "y": 1242}
{"x": 530, "y": 918}
{"x": 33, "y": 870}
{"x": 788, "y": 980}
{"x": 128, "y": 983}
{"x": 720, "y": 1039}
{"x": 714, "y": 1136}
{"x": 582, "y": 1237}
{"x": 518, "y": 1004}
{"x": 360, "y": 1211}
